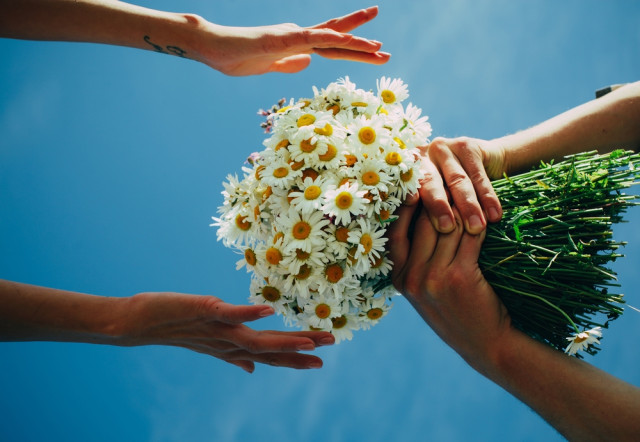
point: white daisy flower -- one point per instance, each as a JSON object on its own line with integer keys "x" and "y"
{"x": 368, "y": 134}
{"x": 345, "y": 202}
{"x": 581, "y": 341}
{"x": 338, "y": 243}
{"x": 310, "y": 195}
{"x": 279, "y": 174}
{"x": 370, "y": 240}
{"x": 319, "y": 310}
{"x": 373, "y": 310}
{"x": 392, "y": 91}
{"x": 337, "y": 278}
{"x": 269, "y": 293}
{"x": 342, "y": 327}
{"x": 249, "y": 260}
{"x": 302, "y": 231}
{"x": 381, "y": 266}
{"x": 418, "y": 126}
{"x": 372, "y": 176}
{"x": 303, "y": 282}
{"x": 316, "y": 257}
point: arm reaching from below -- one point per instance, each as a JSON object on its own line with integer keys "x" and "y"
{"x": 230, "y": 50}
{"x": 439, "y": 274}
{"x": 204, "y": 324}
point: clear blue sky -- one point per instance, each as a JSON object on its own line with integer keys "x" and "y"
{"x": 111, "y": 163}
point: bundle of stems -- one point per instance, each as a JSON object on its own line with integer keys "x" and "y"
{"x": 547, "y": 259}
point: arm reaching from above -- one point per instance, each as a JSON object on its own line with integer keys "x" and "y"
{"x": 230, "y": 50}
{"x": 439, "y": 274}
{"x": 204, "y": 324}
{"x": 463, "y": 167}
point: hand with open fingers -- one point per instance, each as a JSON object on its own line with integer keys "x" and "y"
{"x": 458, "y": 174}
{"x": 208, "y": 325}
{"x": 287, "y": 47}
{"x": 439, "y": 275}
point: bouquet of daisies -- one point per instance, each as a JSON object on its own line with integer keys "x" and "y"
{"x": 310, "y": 214}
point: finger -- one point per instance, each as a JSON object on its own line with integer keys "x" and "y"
{"x": 222, "y": 311}
{"x": 434, "y": 197}
{"x": 291, "y": 360}
{"x": 327, "y": 39}
{"x": 256, "y": 341}
{"x": 350, "y": 21}
{"x": 247, "y": 366}
{"x": 320, "y": 338}
{"x": 469, "y": 249}
{"x": 423, "y": 242}
{"x": 459, "y": 184}
{"x": 447, "y": 246}
{"x": 350, "y": 55}
{"x": 398, "y": 235}
{"x": 474, "y": 167}
{"x": 291, "y": 64}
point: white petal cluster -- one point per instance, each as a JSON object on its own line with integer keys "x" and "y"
{"x": 310, "y": 216}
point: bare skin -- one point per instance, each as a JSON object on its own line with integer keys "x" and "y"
{"x": 233, "y": 51}
{"x": 204, "y": 324}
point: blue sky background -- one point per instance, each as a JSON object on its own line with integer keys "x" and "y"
{"x": 111, "y": 163}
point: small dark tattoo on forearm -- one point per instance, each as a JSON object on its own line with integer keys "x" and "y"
{"x": 175, "y": 50}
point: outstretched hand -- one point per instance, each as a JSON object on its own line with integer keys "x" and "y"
{"x": 287, "y": 47}
{"x": 208, "y": 325}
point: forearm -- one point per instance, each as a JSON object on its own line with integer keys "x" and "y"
{"x": 100, "y": 21}
{"x": 579, "y": 400}
{"x": 33, "y": 313}
{"x": 603, "y": 124}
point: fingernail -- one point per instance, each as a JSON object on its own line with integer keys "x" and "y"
{"x": 327, "y": 341}
{"x": 314, "y": 364}
{"x": 493, "y": 214}
{"x": 474, "y": 224}
{"x": 266, "y": 312}
{"x": 306, "y": 347}
{"x": 445, "y": 223}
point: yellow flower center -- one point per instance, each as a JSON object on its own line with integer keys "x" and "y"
{"x": 250, "y": 257}
{"x": 256, "y": 213}
{"x": 375, "y": 313}
{"x": 334, "y": 108}
{"x": 359, "y": 104}
{"x": 277, "y": 237}
{"x": 351, "y": 159}
{"x": 339, "y": 322}
{"x": 306, "y": 120}
{"x": 307, "y": 146}
{"x": 334, "y": 273}
{"x": 323, "y": 311}
{"x": 393, "y": 158}
{"x": 242, "y": 223}
{"x": 384, "y": 215}
{"x": 282, "y": 144}
{"x": 366, "y": 242}
{"x": 273, "y": 256}
{"x": 367, "y": 135}
{"x": 280, "y": 172}
{"x": 312, "y": 192}
{"x": 370, "y": 178}
{"x": 406, "y": 176}
{"x": 310, "y": 173}
{"x": 267, "y": 193}
{"x": 304, "y": 273}
{"x": 270, "y": 293}
{"x": 344, "y": 200}
{"x": 388, "y": 96}
{"x": 326, "y": 130}
{"x": 259, "y": 170}
{"x": 301, "y": 230}
{"x": 377, "y": 262}
{"x": 330, "y": 154}
{"x": 580, "y": 339}
{"x": 302, "y": 255}
{"x": 297, "y": 165}
{"x": 342, "y": 234}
